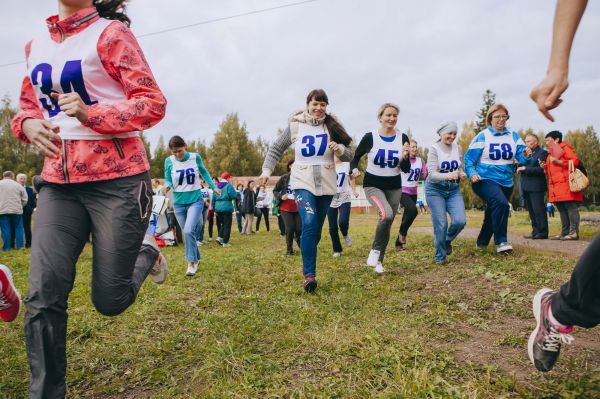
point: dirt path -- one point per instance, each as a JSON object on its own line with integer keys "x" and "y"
{"x": 572, "y": 249}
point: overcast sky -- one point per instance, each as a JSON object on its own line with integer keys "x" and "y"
{"x": 432, "y": 58}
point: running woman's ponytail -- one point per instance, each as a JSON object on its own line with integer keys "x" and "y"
{"x": 113, "y": 9}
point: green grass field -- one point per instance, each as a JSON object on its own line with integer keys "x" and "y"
{"x": 244, "y": 328}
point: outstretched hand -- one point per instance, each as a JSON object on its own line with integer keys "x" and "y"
{"x": 547, "y": 93}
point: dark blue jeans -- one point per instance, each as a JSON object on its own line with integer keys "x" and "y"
{"x": 343, "y": 223}
{"x": 10, "y": 222}
{"x": 495, "y": 221}
{"x": 313, "y": 211}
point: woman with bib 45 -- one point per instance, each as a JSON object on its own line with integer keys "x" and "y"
{"x": 183, "y": 172}
{"x": 490, "y": 164}
{"x": 317, "y": 136}
{"x": 387, "y": 157}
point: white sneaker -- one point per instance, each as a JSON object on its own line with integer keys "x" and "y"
{"x": 504, "y": 248}
{"x": 199, "y": 244}
{"x": 160, "y": 270}
{"x": 191, "y": 269}
{"x": 337, "y": 254}
{"x": 226, "y": 245}
{"x": 373, "y": 258}
{"x": 379, "y": 268}
{"x": 348, "y": 241}
{"x": 220, "y": 240}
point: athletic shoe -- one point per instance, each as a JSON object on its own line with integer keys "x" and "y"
{"x": 570, "y": 237}
{"x": 540, "y": 238}
{"x": 504, "y": 248}
{"x": 545, "y": 341}
{"x": 191, "y": 269}
{"x": 10, "y": 300}
{"x": 199, "y": 243}
{"x": 379, "y": 268}
{"x": 226, "y": 245}
{"x": 398, "y": 244}
{"x": 219, "y": 241}
{"x": 310, "y": 283}
{"x": 448, "y": 248}
{"x": 337, "y": 254}
{"x": 348, "y": 241}
{"x": 160, "y": 270}
{"x": 209, "y": 238}
{"x": 373, "y": 258}
{"x": 558, "y": 237}
{"x": 440, "y": 262}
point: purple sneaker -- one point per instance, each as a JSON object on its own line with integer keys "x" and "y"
{"x": 545, "y": 341}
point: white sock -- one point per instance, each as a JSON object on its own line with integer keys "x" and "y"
{"x": 553, "y": 320}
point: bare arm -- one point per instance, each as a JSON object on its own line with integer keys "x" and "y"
{"x": 566, "y": 20}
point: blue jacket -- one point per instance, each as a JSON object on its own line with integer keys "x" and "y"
{"x": 222, "y": 203}
{"x": 491, "y": 155}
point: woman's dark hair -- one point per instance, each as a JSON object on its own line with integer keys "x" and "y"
{"x": 112, "y": 9}
{"x": 239, "y": 184}
{"x": 248, "y": 185}
{"x": 176, "y": 142}
{"x": 555, "y": 134}
{"x": 289, "y": 164}
{"x": 336, "y": 130}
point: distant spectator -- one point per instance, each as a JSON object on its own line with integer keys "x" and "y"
{"x": 13, "y": 198}
{"x": 550, "y": 209}
{"x": 559, "y": 191}
{"x": 263, "y": 200}
{"x": 223, "y": 203}
{"x": 156, "y": 186}
{"x": 534, "y": 186}
{"x": 248, "y": 205}
{"x": 28, "y": 208}
{"x": 238, "y": 206}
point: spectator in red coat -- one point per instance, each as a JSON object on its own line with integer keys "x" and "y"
{"x": 559, "y": 192}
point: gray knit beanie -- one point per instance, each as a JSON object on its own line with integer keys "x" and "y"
{"x": 447, "y": 127}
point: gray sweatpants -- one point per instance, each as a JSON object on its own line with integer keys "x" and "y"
{"x": 386, "y": 202}
{"x": 116, "y": 213}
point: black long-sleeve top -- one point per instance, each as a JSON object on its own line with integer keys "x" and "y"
{"x": 371, "y": 180}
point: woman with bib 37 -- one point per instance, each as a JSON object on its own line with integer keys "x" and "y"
{"x": 316, "y": 136}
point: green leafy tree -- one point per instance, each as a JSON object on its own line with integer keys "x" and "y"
{"x": 464, "y": 139}
{"x": 14, "y": 154}
{"x": 232, "y": 150}
{"x": 587, "y": 147}
{"x": 157, "y": 164}
{"x": 489, "y": 99}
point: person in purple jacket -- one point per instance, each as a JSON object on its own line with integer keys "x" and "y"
{"x": 410, "y": 186}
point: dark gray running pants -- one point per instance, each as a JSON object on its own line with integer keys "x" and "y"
{"x": 116, "y": 213}
{"x": 386, "y": 202}
{"x": 578, "y": 301}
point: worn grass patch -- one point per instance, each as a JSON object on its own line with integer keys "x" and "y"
{"x": 242, "y": 327}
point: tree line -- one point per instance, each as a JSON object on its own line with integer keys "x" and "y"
{"x": 233, "y": 150}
